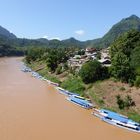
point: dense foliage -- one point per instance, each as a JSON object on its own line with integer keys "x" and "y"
{"x": 92, "y": 71}
{"x": 132, "y": 22}
{"x": 6, "y": 50}
{"x": 34, "y": 53}
{"x": 125, "y": 57}
{"x": 54, "y": 58}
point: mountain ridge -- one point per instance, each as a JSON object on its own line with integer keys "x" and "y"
{"x": 126, "y": 24}
{"x": 5, "y": 33}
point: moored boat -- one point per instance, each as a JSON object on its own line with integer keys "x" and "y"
{"x": 52, "y": 83}
{"x": 26, "y": 69}
{"x": 81, "y": 101}
{"x": 65, "y": 92}
{"x": 35, "y": 74}
{"x": 117, "y": 119}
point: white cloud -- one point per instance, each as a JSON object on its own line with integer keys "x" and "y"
{"x": 45, "y": 37}
{"x": 50, "y": 38}
{"x": 54, "y": 38}
{"x": 80, "y": 32}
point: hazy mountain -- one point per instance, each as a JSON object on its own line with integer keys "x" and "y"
{"x": 73, "y": 42}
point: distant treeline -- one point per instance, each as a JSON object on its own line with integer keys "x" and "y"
{"x": 6, "y": 50}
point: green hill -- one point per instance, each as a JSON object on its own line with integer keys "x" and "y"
{"x": 126, "y": 24}
{"x": 5, "y": 33}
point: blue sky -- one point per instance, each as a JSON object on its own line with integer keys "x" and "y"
{"x": 82, "y": 19}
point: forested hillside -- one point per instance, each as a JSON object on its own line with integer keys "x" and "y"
{"x": 126, "y": 24}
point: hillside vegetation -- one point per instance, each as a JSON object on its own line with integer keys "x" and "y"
{"x": 125, "y": 55}
{"x": 126, "y": 24}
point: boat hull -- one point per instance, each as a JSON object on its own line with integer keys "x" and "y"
{"x": 79, "y": 104}
{"x": 113, "y": 122}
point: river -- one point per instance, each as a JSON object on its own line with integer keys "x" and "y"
{"x": 31, "y": 109}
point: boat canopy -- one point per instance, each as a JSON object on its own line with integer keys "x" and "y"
{"x": 115, "y": 116}
{"x": 80, "y": 100}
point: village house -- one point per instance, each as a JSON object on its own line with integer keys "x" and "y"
{"x": 90, "y": 51}
{"x": 105, "y": 53}
{"x": 105, "y": 62}
{"x": 77, "y": 61}
{"x": 105, "y": 57}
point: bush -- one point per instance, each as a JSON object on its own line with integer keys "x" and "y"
{"x": 91, "y": 72}
{"x": 122, "y": 88}
{"x": 120, "y": 102}
{"x": 127, "y": 102}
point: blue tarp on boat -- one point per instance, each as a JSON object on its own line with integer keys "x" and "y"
{"x": 115, "y": 116}
{"x": 81, "y": 101}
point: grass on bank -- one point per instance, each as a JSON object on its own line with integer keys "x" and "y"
{"x": 97, "y": 97}
{"x": 44, "y": 72}
{"x": 74, "y": 84}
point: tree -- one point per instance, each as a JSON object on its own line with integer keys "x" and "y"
{"x": 52, "y": 61}
{"x": 125, "y": 43}
{"x": 91, "y": 71}
{"x": 125, "y": 56}
{"x": 7, "y": 50}
{"x": 135, "y": 58}
{"x": 81, "y": 52}
{"x": 34, "y": 53}
{"x": 55, "y": 57}
{"x": 120, "y": 68}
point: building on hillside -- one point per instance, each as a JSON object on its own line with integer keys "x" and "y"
{"x": 105, "y": 62}
{"x": 90, "y": 51}
{"x": 105, "y": 53}
{"x": 76, "y": 63}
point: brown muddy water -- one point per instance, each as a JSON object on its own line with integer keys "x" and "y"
{"x": 32, "y": 110}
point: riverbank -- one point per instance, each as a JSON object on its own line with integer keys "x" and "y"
{"x": 102, "y": 93}
{"x": 31, "y": 109}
